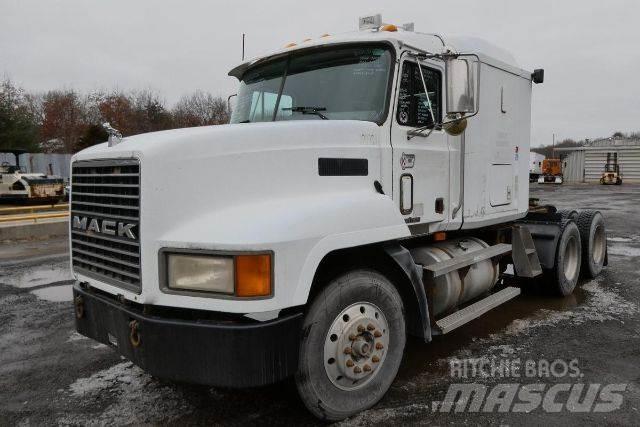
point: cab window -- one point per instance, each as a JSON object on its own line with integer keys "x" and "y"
{"x": 413, "y": 108}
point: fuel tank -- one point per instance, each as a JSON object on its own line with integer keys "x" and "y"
{"x": 448, "y": 291}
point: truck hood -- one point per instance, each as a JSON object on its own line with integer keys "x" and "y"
{"x": 223, "y": 140}
{"x": 237, "y": 177}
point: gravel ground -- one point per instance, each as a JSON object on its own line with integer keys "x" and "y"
{"x": 51, "y": 375}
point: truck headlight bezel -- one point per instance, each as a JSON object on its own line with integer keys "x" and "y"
{"x": 251, "y": 273}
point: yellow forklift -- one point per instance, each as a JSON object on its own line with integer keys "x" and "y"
{"x": 611, "y": 174}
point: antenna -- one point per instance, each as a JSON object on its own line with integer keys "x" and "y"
{"x": 243, "y": 46}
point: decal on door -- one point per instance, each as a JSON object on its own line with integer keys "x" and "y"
{"x": 407, "y": 161}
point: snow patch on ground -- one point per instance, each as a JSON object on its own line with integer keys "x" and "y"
{"x": 623, "y": 250}
{"x": 602, "y": 304}
{"x": 74, "y": 336}
{"x": 55, "y": 293}
{"x": 384, "y": 416}
{"x": 620, "y": 239}
{"x": 137, "y": 398}
{"x": 38, "y": 276}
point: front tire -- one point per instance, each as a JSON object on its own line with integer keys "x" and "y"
{"x": 353, "y": 341}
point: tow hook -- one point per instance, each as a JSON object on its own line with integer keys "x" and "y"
{"x": 79, "y": 305}
{"x": 134, "y": 334}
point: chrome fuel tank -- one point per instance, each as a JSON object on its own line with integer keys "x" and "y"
{"x": 457, "y": 287}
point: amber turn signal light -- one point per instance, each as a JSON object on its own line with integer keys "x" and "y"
{"x": 253, "y": 275}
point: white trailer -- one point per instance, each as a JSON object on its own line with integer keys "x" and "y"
{"x": 371, "y": 185}
{"x": 535, "y": 166}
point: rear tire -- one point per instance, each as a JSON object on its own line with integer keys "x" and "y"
{"x": 569, "y": 214}
{"x": 594, "y": 242}
{"x": 566, "y": 270}
{"x": 360, "y": 311}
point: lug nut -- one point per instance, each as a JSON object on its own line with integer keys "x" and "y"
{"x": 377, "y": 334}
{"x": 375, "y": 359}
{"x": 349, "y": 363}
{"x": 366, "y": 368}
{"x": 357, "y": 370}
{"x": 370, "y": 327}
{"x": 347, "y": 350}
{"x": 379, "y": 346}
{"x": 352, "y": 337}
{"x": 360, "y": 328}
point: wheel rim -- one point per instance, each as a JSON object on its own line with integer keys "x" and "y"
{"x": 570, "y": 265}
{"x": 599, "y": 245}
{"x": 356, "y": 346}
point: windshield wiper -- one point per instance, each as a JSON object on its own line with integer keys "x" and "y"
{"x": 309, "y": 110}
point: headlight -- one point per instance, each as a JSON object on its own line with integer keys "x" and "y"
{"x": 200, "y": 273}
{"x": 234, "y": 275}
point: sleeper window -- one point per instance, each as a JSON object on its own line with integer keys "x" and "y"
{"x": 413, "y": 108}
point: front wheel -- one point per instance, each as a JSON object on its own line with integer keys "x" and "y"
{"x": 353, "y": 341}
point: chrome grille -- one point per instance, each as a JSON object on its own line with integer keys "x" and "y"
{"x": 106, "y": 190}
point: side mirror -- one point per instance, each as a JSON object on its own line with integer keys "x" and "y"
{"x": 538, "y": 76}
{"x": 462, "y": 84}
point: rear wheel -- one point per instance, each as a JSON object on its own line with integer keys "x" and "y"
{"x": 594, "y": 242}
{"x": 353, "y": 341}
{"x": 566, "y": 270}
{"x": 569, "y": 214}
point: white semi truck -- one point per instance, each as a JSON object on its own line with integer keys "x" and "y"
{"x": 370, "y": 185}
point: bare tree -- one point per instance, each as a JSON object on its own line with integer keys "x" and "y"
{"x": 200, "y": 109}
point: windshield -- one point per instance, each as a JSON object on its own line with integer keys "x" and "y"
{"x": 347, "y": 83}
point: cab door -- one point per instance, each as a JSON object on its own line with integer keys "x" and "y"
{"x": 420, "y": 163}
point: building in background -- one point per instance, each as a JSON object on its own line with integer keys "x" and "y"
{"x": 586, "y": 163}
{"x": 48, "y": 164}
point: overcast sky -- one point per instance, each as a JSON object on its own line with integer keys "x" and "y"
{"x": 589, "y": 49}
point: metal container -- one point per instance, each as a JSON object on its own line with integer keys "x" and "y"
{"x": 457, "y": 287}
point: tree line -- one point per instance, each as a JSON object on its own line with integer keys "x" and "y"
{"x": 66, "y": 120}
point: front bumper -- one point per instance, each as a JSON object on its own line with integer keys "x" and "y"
{"x": 218, "y": 353}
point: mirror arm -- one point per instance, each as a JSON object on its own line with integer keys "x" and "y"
{"x": 229, "y": 101}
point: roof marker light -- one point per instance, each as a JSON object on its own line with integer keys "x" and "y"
{"x": 325, "y": 35}
{"x": 290, "y": 45}
{"x": 409, "y": 26}
{"x": 389, "y": 27}
{"x": 372, "y": 22}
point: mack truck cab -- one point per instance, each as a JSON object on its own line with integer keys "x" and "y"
{"x": 370, "y": 186}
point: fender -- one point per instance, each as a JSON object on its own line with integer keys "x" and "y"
{"x": 300, "y": 231}
{"x": 545, "y": 231}
{"x": 413, "y": 273}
